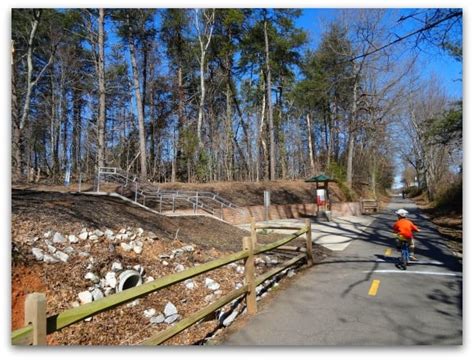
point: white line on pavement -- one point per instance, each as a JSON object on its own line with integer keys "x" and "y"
{"x": 414, "y": 272}
{"x": 418, "y": 262}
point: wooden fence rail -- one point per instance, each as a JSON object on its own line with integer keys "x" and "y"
{"x": 38, "y": 326}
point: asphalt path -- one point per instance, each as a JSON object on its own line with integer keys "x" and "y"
{"x": 359, "y": 297}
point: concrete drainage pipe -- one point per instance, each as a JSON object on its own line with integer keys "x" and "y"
{"x": 129, "y": 279}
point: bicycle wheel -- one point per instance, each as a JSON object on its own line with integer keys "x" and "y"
{"x": 404, "y": 258}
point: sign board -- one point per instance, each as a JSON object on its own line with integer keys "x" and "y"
{"x": 266, "y": 203}
{"x": 266, "y": 198}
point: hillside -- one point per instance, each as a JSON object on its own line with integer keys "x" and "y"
{"x": 38, "y": 215}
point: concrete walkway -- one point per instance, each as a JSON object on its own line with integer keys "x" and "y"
{"x": 358, "y": 296}
{"x": 335, "y": 235}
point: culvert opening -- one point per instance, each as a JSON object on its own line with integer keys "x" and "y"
{"x": 129, "y": 279}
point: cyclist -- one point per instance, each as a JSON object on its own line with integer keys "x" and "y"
{"x": 404, "y": 231}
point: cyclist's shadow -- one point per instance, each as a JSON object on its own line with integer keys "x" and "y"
{"x": 390, "y": 260}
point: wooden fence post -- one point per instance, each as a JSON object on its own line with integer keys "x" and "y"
{"x": 253, "y": 232}
{"x": 251, "y": 297}
{"x": 309, "y": 243}
{"x": 35, "y": 314}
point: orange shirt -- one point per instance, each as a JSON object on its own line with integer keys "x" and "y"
{"x": 405, "y": 228}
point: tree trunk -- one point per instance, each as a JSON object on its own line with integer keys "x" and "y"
{"x": 15, "y": 122}
{"x": 228, "y": 156}
{"x": 350, "y": 148}
{"x": 138, "y": 98}
{"x": 310, "y": 143}
{"x": 101, "y": 76}
{"x": 76, "y": 131}
{"x": 269, "y": 100}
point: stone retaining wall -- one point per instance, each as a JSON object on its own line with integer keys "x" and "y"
{"x": 290, "y": 211}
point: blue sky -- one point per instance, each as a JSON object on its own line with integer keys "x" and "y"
{"x": 431, "y": 59}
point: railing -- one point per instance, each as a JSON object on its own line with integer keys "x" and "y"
{"x": 38, "y": 326}
{"x": 143, "y": 192}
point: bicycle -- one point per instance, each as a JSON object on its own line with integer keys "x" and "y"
{"x": 404, "y": 255}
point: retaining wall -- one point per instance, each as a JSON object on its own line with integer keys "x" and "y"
{"x": 290, "y": 211}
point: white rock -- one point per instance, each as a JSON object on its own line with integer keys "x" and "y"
{"x": 209, "y": 298}
{"x": 238, "y": 286}
{"x": 139, "y": 269}
{"x": 190, "y": 284}
{"x": 38, "y": 253}
{"x": 170, "y": 309}
{"x": 139, "y": 231}
{"x": 58, "y": 238}
{"x": 97, "y": 294}
{"x": 132, "y": 236}
{"x": 108, "y": 233}
{"x": 229, "y": 319}
{"x": 84, "y": 254}
{"x": 88, "y": 319}
{"x": 75, "y": 304}
{"x": 137, "y": 249}
{"x": 177, "y": 252}
{"x": 218, "y": 292}
{"x": 291, "y": 273}
{"x": 73, "y": 239}
{"x": 98, "y": 233}
{"x": 92, "y": 277}
{"x": 69, "y": 250}
{"x": 35, "y": 239}
{"x": 139, "y": 243}
{"x": 124, "y": 236}
{"x": 91, "y": 260}
{"x": 51, "y": 249}
{"x": 165, "y": 263}
{"x": 85, "y": 297}
{"x": 108, "y": 291}
{"x": 89, "y": 267}
{"x": 240, "y": 269}
{"x": 50, "y": 259}
{"x": 93, "y": 237}
{"x": 48, "y": 234}
{"x": 211, "y": 284}
{"x": 122, "y": 231}
{"x": 110, "y": 279}
{"x": 152, "y": 235}
{"x": 188, "y": 248}
{"x": 117, "y": 266}
{"x": 164, "y": 256}
{"x": 133, "y": 303}
{"x": 149, "y": 279}
{"x": 258, "y": 289}
{"x": 48, "y": 242}
{"x": 61, "y": 256}
{"x": 83, "y": 235}
{"x": 157, "y": 319}
{"x": 179, "y": 268}
{"x": 171, "y": 319}
{"x": 125, "y": 247}
{"x": 149, "y": 312}
{"x": 259, "y": 261}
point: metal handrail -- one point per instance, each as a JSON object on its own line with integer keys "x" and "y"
{"x": 152, "y": 192}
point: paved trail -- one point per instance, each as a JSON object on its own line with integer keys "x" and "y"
{"x": 359, "y": 296}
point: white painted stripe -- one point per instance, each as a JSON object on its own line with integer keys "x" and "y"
{"x": 414, "y": 272}
{"x": 417, "y": 262}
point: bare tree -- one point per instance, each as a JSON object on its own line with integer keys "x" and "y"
{"x": 204, "y": 23}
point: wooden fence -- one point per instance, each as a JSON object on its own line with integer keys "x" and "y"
{"x": 38, "y": 325}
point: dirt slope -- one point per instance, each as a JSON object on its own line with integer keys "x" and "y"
{"x": 35, "y": 212}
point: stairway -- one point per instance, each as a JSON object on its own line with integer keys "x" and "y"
{"x": 165, "y": 201}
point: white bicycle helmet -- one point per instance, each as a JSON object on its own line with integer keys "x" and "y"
{"x": 401, "y": 212}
